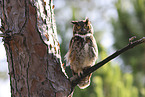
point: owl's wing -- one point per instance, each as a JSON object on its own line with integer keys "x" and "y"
{"x": 93, "y": 46}
{"x": 66, "y": 57}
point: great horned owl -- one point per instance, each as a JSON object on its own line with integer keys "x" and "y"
{"x": 83, "y": 50}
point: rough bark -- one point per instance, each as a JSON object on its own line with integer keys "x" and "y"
{"x": 32, "y": 48}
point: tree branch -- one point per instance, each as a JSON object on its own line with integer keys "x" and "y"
{"x": 75, "y": 79}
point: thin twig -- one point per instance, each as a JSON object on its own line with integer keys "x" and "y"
{"x": 75, "y": 79}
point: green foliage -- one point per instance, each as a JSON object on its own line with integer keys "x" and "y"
{"x": 131, "y": 22}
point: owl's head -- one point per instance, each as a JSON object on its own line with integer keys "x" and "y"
{"x": 82, "y": 27}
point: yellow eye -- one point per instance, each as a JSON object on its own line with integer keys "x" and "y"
{"x": 86, "y": 27}
{"x": 78, "y": 27}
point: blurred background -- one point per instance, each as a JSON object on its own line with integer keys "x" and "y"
{"x": 114, "y": 22}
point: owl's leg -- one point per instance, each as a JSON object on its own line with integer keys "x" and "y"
{"x": 73, "y": 73}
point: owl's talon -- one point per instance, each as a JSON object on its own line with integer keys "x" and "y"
{"x": 80, "y": 73}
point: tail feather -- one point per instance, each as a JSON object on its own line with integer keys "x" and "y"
{"x": 85, "y": 82}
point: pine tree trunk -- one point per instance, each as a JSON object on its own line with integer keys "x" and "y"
{"x": 32, "y": 48}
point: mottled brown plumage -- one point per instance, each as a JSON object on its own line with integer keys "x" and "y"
{"x": 83, "y": 50}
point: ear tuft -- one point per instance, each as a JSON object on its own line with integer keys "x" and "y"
{"x": 87, "y": 20}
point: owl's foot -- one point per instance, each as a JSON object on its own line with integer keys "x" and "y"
{"x": 79, "y": 73}
{"x": 76, "y": 75}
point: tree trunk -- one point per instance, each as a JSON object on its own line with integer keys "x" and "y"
{"x": 32, "y": 48}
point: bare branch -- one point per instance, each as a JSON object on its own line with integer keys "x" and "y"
{"x": 75, "y": 79}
